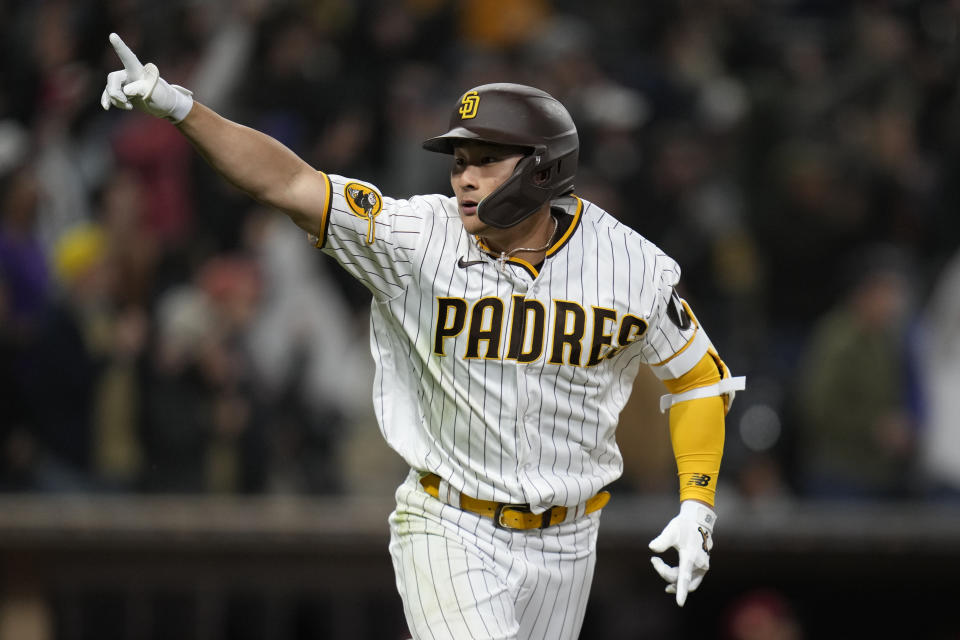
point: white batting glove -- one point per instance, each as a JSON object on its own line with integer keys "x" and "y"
{"x": 138, "y": 85}
{"x": 691, "y": 534}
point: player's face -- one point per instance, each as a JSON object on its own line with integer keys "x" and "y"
{"x": 478, "y": 169}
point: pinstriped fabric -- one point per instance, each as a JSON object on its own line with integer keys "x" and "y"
{"x": 461, "y": 578}
{"x": 507, "y": 381}
{"x": 452, "y": 400}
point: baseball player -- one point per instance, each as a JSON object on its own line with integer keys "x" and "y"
{"x": 508, "y": 322}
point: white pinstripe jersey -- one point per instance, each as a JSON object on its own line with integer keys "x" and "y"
{"x": 508, "y": 381}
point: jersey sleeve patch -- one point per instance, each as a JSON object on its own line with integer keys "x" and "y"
{"x": 364, "y": 202}
{"x": 677, "y": 312}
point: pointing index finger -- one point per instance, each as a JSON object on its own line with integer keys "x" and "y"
{"x": 684, "y": 574}
{"x": 129, "y": 59}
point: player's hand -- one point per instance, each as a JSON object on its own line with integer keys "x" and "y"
{"x": 691, "y": 534}
{"x": 138, "y": 85}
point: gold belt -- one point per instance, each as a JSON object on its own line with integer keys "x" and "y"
{"x": 514, "y": 516}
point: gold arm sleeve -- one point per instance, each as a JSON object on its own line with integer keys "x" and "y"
{"x": 697, "y": 431}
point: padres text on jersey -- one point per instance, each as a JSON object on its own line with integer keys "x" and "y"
{"x": 507, "y": 381}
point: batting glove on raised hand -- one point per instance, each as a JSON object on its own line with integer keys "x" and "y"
{"x": 138, "y": 85}
{"x": 691, "y": 534}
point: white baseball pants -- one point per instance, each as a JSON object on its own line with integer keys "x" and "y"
{"x": 462, "y": 578}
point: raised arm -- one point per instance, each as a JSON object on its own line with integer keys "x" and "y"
{"x": 259, "y": 165}
{"x": 252, "y": 161}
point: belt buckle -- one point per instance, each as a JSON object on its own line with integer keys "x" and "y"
{"x": 522, "y": 508}
{"x": 498, "y": 515}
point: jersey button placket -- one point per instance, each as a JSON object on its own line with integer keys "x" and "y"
{"x": 528, "y": 418}
{"x": 523, "y": 398}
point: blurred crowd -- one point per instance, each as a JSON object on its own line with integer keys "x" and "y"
{"x": 161, "y": 332}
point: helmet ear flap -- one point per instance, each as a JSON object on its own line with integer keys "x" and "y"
{"x": 542, "y": 177}
{"x": 524, "y": 192}
{"x": 516, "y": 199}
{"x": 552, "y": 175}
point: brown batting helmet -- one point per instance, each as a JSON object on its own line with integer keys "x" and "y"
{"x": 517, "y": 115}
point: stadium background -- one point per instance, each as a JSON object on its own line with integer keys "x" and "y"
{"x": 186, "y": 444}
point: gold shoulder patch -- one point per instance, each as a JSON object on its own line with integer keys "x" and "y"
{"x": 365, "y": 203}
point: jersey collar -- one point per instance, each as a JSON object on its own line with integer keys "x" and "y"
{"x": 571, "y": 205}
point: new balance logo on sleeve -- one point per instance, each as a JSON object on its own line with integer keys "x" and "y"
{"x": 699, "y": 480}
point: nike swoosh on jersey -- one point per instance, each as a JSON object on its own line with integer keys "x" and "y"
{"x": 463, "y": 264}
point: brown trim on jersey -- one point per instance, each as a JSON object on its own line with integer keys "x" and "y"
{"x": 520, "y": 262}
{"x": 325, "y": 218}
{"x": 534, "y": 270}
{"x": 565, "y": 237}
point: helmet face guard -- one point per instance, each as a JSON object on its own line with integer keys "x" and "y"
{"x": 516, "y": 115}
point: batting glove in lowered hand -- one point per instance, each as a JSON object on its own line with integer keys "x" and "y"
{"x": 691, "y": 534}
{"x": 138, "y": 85}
